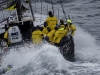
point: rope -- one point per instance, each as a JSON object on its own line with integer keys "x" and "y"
{"x": 65, "y": 17}
{"x": 52, "y": 7}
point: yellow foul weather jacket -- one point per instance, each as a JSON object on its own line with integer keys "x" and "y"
{"x": 45, "y": 31}
{"x": 72, "y": 28}
{"x": 60, "y": 33}
{"x": 52, "y": 22}
{"x": 51, "y": 35}
{"x": 37, "y": 37}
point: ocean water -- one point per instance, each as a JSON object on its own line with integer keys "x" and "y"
{"x": 47, "y": 60}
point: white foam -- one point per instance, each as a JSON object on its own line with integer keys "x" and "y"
{"x": 36, "y": 57}
{"x": 85, "y": 45}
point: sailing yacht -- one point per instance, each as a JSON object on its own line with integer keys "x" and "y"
{"x": 26, "y": 21}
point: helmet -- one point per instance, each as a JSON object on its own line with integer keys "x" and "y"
{"x": 69, "y": 21}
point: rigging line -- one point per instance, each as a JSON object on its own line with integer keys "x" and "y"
{"x": 65, "y": 16}
{"x": 31, "y": 10}
{"x": 52, "y": 7}
{"x": 41, "y": 6}
{"x": 44, "y": 7}
{"x": 27, "y": 6}
{"x": 63, "y": 10}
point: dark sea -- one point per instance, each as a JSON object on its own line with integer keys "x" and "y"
{"x": 47, "y": 60}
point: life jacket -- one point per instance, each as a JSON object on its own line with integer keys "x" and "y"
{"x": 14, "y": 34}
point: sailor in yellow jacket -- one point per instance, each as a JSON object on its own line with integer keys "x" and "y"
{"x": 70, "y": 27}
{"x": 37, "y": 36}
{"x": 52, "y": 21}
{"x": 50, "y": 35}
{"x": 62, "y": 25}
{"x": 45, "y": 30}
{"x": 60, "y": 33}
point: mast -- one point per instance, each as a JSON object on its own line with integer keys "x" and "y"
{"x": 18, "y": 8}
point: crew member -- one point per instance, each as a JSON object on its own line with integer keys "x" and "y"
{"x": 37, "y": 36}
{"x": 60, "y": 33}
{"x": 62, "y": 25}
{"x": 52, "y": 21}
{"x": 45, "y": 30}
{"x": 70, "y": 27}
{"x": 50, "y": 35}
